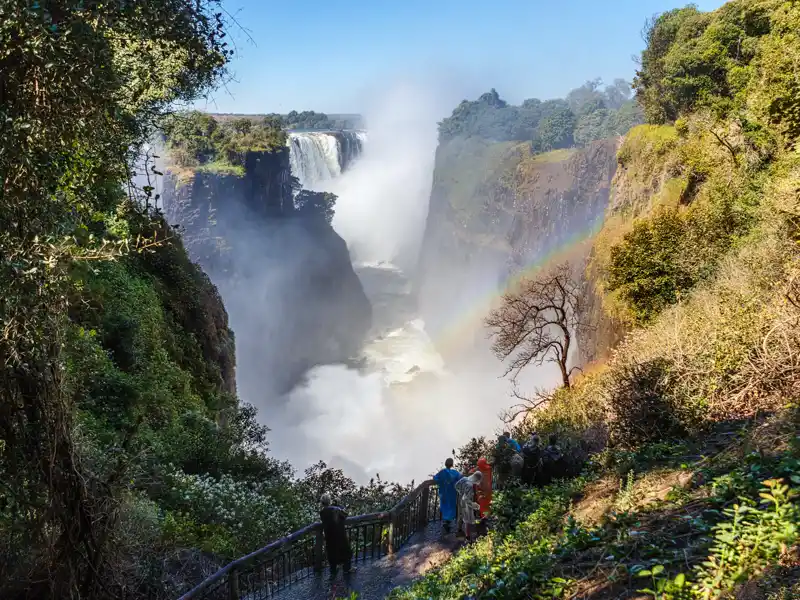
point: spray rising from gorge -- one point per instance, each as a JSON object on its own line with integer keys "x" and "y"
{"x": 404, "y": 410}
{"x": 361, "y": 342}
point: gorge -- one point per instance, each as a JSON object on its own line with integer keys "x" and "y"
{"x": 369, "y": 398}
{"x": 144, "y": 364}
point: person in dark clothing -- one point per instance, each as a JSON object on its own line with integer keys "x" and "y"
{"x": 337, "y": 545}
{"x": 532, "y": 453}
{"x": 507, "y": 458}
{"x": 551, "y": 461}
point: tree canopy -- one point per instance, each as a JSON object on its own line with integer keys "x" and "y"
{"x": 695, "y": 59}
{"x": 588, "y": 113}
{"x": 195, "y": 138}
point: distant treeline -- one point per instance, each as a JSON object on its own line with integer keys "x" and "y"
{"x": 588, "y": 113}
{"x": 308, "y": 119}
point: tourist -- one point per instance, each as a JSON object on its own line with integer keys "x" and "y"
{"x": 446, "y": 482}
{"x": 552, "y": 461}
{"x": 511, "y": 442}
{"x": 337, "y": 545}
{"x": 484, "y": 494}
{"x": 532, "y": 455}
{"x": 467, "y": 506}
{"x": 507, "y": 458}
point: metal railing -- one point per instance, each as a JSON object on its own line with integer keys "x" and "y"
{"x": 265, "y": 572}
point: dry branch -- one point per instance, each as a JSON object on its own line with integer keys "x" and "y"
{"x": 536, "y": 322}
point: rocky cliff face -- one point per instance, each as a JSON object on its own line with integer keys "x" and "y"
{"x": 287, "y": 281}
{"x": 496, "y": 211}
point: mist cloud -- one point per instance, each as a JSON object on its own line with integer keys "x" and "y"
{"x": 361, "y": 421}
{"x": 383, "y": 197}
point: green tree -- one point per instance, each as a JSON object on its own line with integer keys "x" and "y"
{"x": 81, "y": 86}
{"x": 593, "y": 126}
{"x": 645, "y": 269}
{"x": 695, "y": 59}
{"x": 555, "y": 131}
{"x": 618, "y": 94}
{"x": 587, "y": 98}
{"x": 192, "y": 137}
{"x": 315, "y": 205}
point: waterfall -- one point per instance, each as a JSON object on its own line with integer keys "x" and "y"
{"x": 319, "y": 156}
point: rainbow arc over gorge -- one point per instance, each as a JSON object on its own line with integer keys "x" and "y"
{"x": 458, "y": 331}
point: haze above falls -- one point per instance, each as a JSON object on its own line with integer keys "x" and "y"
{"x": 402, "y": 412}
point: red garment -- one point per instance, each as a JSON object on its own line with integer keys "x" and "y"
{"x": 484, "y": 488}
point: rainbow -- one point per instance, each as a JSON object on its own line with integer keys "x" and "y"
{"x": 458, "y": 331}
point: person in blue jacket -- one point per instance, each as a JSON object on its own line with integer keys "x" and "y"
{"x": 511, "y": 441}
{"x": 446, "y": 481}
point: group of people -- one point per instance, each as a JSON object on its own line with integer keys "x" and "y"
{"x": 463, "y": 499}
{"x": 466, "y": 499}
{"x": 534, "y": 463}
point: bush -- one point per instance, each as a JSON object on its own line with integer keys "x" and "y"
{"x": 195, "y": 138}
{"x": 467, "y": 456}
{"x": 641, "y": 410}
{"x": 644, "y": 269}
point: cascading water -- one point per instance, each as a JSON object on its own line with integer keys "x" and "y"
{"x": 317, "y": 157}
{"x": 362, "y": 418}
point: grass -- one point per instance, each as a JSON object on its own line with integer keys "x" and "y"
{"x": 554, "y": 156}
{"x": 220, "y": 167}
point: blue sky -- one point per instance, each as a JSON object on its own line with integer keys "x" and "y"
{"x": 327, "y": 55}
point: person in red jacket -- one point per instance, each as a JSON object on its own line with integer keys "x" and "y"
{"x": 483, "y": 493}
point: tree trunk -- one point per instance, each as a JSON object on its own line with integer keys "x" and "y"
{"x": 562, "y": 360}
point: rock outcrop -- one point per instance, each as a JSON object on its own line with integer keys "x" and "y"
{"x": 497, "y": 211}
{"x": 287, "y": 280}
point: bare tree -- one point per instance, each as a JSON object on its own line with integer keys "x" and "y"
{"x": 526, "y": 404}
{"x": 537, "y": 321}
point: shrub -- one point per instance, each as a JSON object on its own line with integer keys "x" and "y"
{"x": 641, "y": 410}
{"x": 644, "y": 269}
{"x": 467, "y": 456}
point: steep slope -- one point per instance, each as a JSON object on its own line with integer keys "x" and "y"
{"x": 691, "y": 491}
{"x": 497, "y": 210}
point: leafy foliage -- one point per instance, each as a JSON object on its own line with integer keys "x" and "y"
{"x": 195, "y": 138}
{"x": 723, "y": 60}
{"x": 695, "y": 543}
{"x": 315, "y": 204}
{"x": 123, "y": 448}
{"x": 82, "y": 85}
{"x": 588, "y": 114}
{"x": 644, "y": 268}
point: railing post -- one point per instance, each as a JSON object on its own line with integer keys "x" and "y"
{"x": 318, "y": 550}
{"x": 422, "y": 518}
{"x": 392, "y": 524}
{"x": 233, "y": 584}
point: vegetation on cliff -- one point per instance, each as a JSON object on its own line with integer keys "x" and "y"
{"x": 128, "y": 467}
{"x": 588, "y": 113}
{"x": 307, "y": 119}
{"x": 197, "y": 139}
{"x": 200, "y": 143}
{"x": 691, "y": 426}
{"x": 492, "y": 157}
